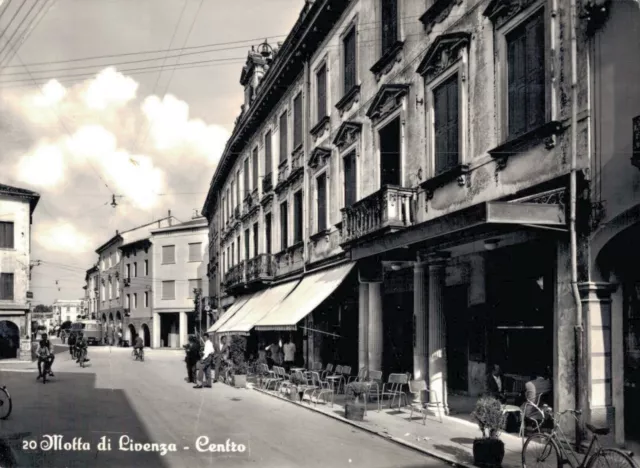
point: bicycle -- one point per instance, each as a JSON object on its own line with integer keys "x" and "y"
{"x": 6, "y": 404}
{"x": 82, "y": 356}
{"x": 46, "y": 369}
{"x": 138, "y": 354}
{"x": 555, "y": 449}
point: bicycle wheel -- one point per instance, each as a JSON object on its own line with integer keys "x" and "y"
{"x": 540, "y": 450}
{"x": 5, "y": 403}
{"x": 611, "y": 458}
{"x": 82, "y": 358}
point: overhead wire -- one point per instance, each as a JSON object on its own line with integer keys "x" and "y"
{"x": 24, "y": 18}
{"x": 4, "y": 31}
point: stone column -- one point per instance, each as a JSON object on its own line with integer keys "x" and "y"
{"x": 155, "y": 341}
{"x": 375, "y": 341}
{"x": 596, "y": 309}
{"x": 420, "y": 322}
{"x": 437, "y": 331}
{"x": 182, "y": 332}
{"x": 363, "y": 326}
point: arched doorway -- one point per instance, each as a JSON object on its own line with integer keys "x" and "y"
{"x": 9, "y": 339}
{"x": 131, "y": 334}
{"x": 118, "y": 317}
{"x": 146, "y": 335}
{"x": 111, "y": 318}
{"x": 104, "y": 319}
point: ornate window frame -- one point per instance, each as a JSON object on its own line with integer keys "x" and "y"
{"x": 347, "y": 140}
{"x": 387, "y": 60}
{"x": 506, "y": 17}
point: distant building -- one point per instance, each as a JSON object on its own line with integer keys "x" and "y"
{"x": 16, "y": 210}
{"x": 66, "y": 310}
{"x": 179, "y": 267}
{"x": 91, "y": 292}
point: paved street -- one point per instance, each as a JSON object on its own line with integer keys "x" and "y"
{"x": 150, "y": 402}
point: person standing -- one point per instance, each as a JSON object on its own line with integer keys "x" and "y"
{"x": 495, "y": 384}
{"x": 207, "y": 360}
{"x": 192, "y": 356}
{"x": 221, "y": 353}
{"x": 274, "y": 354}
{"x": 289, "y": 350}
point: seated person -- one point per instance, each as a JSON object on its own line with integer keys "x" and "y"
{"x": 495, "y": 384}
{"x": 138, "y": 345}
{"x": 539, "y": 384}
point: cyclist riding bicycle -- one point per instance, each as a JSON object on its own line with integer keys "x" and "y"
{"x": 81, "y": 346}
{"x": 138, "y": 346}
{"x": 44, "y": 354}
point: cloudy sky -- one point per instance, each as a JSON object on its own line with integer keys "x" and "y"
{"x": 82, "y": 129}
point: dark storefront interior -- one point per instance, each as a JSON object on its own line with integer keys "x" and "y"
{"x": 397, "y": 306}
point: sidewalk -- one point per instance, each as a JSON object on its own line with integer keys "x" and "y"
{"x": 450, "y": 440}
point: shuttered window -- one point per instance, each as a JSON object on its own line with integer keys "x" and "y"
{"x": 389, "y": 24}
{"x": 6, "y": 286}
{"x": 238, "y": 246}
{"x": 526, "y": 87}
{"x": 247, "y": 244}
{"x": 283, "y": 137}
{"x": 350, "y": 64}
{"x": 168, "y": 254}
{"x": 298, "y": 214}
{"x": 321, "y": 81}
{"x": 267, "y": 232}
{"x": 238, "y": 195}
{"x": 268, "y": 159}
{"x": 168, "y": 290}
{"x": 247, "y": 182}
{"x": 321, "y": 207}
{"x": 255, "y": 239}
{"x": 297, "y": 121}
{"x": 195, "y": 252}
{"x": 254, "y": 168}
{"x": 350, "y": 179}
{"x": 6, "y": 235}
{"x": 284, "y": 225}
{"x": 445, "y": 108}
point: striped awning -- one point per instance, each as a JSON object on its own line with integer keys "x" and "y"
{"x": 235, "y": 307}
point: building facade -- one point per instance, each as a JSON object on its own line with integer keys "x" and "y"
{"x": 16, "y": 207}
{"x": 68, "y": 310}
{"x": 91, "y": 292}
{"x": 179, "y": 269}
{"x": 138, "y": 289}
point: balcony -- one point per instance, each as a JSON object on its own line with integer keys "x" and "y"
{"x": 235, "y": 277}
{"x": 389, "y": 209}
{"x": 236, "y": 212}
{"x": 297, "y": 162}
{"x": 250, "y": 203}
{"x": 260, "y": 268}
{"x": 289, "y": 260}
{"x": 283, "y": 171}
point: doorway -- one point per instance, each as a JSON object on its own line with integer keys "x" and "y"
{"x": 169, "y": 330}
{"x": 457, "y": 332}
{"x": 390, "y": 144}
{"x": 9, "y": 339}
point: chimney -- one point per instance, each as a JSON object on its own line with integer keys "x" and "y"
{"x": 170, "y": 221}
{"x": 117, "y": 232}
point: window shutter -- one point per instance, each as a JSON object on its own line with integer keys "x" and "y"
{"x": 297, "y": 213}
{"x": 389, "y": 24}
{"x": 440, "y": 128}
{"x": 238, "y": 196}
{"x": 267, "y": 232}
{"x": 6, "y": 235}
{"x": 6, "y": 286}
{"x": 247, "y": 244}
{"x": 517, "y": 85}
{"x": 350, "y": 60}
{"x": 349, "y": 179}
{"x": 267, "y": 153}
{"x": 322, "y": 92}
{"x": 297, "y": 121}
{"x": 255, "y": 239}
{"x": 452, "y": 123}
{"x": 321, "y": 184}
{"x": 284, "y": 223}
{"x": 535, "y": 78}
{"x": 254, "y": 167}
{"x": 283, "y": 137}
{"x": 247, "y": 183}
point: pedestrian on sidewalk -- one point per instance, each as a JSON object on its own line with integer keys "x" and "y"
{"x": 289, "y": 351}
{"x": 192, "y": 357}
{"x": 206, "y": 362}
{"x": 221, "y": 353}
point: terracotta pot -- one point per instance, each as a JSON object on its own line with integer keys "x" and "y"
{"x": 354, "y": 411}
{"x": 240, "y": 381}
{"x": 488, "y": 453}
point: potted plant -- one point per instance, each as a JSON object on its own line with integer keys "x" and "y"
{"x": 354, "y": 410}
{"x": 296, "y": 389}
{"x": 237, "y": 352}
{"x": 488, "y": 451}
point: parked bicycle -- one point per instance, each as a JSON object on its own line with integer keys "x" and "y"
{"x": 138, "y": 354}
{"x": 552, "y": 449}
{"x": 5, "y": 403}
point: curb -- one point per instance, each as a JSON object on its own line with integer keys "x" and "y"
{"x": 386, "y": 436}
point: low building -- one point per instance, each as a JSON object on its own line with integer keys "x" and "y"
{"x": 91, "y": 292}
{"x": 16, "y": 212}
{"x": 68, "y": 310}
{"x": 179, "y": 272}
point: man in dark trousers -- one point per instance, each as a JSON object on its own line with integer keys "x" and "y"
{"x": 221, "y": 352}
{"x": 192, "y": 357}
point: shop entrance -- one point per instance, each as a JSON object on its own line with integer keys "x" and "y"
{"x": 397, "y": 306}
{"x": 169, "y": 330}
{"x": 457, "y": 321}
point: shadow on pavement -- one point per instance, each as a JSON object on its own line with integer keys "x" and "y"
{"x": 60, "y": 424}
{"x": 458, "y": 453}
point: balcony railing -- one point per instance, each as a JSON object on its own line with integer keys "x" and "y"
{"x": 297, "y": 160}
{"x": 283, "y": 171}
{"x": 260, "y": 268}
{"x": 389, "y": 209}
{"x": 267, "y": 183}
{"x": 235, "y": 276}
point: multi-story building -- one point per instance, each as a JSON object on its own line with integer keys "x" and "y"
{"x": 179, "y": 271}
{"x": 91, "y": 279}
{"x": 68, "y": 310}
{"x": 470, "y": 161}
{"x": 111, "y": 301}
{"x": 16, "y": 212}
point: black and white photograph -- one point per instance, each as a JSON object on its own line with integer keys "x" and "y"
{"x": 320, "y": 233}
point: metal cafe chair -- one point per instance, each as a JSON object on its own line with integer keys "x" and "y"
{"x": 418, "y": 388}
{"x": 394, "y": 388}
{"x": 322, "y": 387}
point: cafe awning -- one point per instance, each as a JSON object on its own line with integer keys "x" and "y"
{"x": 308, "y": 295}
{"x": 235, "y": 307}
{"x": 257, "y": 308}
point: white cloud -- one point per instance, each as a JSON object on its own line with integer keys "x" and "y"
{"x": 42, "y": 167}
{"x": 62, "y": 237}
{"x": 110, "y": 87}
